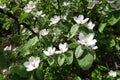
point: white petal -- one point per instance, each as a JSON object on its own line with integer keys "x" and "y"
{"x": 58, "y": 52}
{"x": 54, "y": 49}
{"x": 84, "y": 21}
{"x": 81, "y": 36}
{"x": 46, "y": 53}
{"x": 37, "y": 60}
{"x": 80, "y": 17}
{"x": 90, "y": 25}
{"x": 26, "y": 64}
{"x": 30, "y": 69}
{"x": 90, "y": 36}
{"x": 94, "y": 47}
{"x": 31, "y": 59}
{"x": 66, "y": 49}
{"x": 76, "y": 20}
{"x": 92, "y": 42}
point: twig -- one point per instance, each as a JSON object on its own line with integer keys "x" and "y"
{"x": 28, "y": 27}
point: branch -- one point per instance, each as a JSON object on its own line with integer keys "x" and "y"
{"x": 16, "y": 19}
{"x": 28, "y": 27}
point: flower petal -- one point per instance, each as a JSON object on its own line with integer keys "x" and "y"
{"x": 81, "y": 36}
{"x": 90, "y": 36}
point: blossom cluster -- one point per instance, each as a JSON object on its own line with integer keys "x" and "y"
{"x": 86, "y": 40}
{"x": 52, "y": 50}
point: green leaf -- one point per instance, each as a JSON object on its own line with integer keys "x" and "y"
{"x": 73, "y": 45}
{"x": 101, "y": 27}
{"x": 113, "y": 17}
{"x": 113, "y": 20}
{"x": 118, "y": 72}
{"x": 61, "y": 60}
{"x": 23, "y": 16}
{"x": 6, "y": 25}
{"x": 100, "y": 67}
{"x": 14, "y": 9}
{"x": 20, "y": 70}
{"x": 78, "y": 51}
{"x": 74, "y": 30}
{"x": 2, "y": 77}
{"x": 29, "y": 44}
{"x": 77, "y": 78}
{"x": 69, "y": 57}
{"x": 86, "y": 62}
{"x": 51, "y": 61}
{"x": 39, "y": 75}
{"x": 112, "y": 43}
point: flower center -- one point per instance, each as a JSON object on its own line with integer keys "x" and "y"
{"x": 33, "y": 65}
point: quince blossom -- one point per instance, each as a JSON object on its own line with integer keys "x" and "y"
{"x": 32, "y": 64}
{"x": 44, "y": 32}
{"x": 54, "y": 20}
{"x": 87, "y": 40}
{"x": 66, "y": 3}
{"x": 90, "y": 25}
{"x": 112, "y": 73}
{"x": 51, "y": 51}
{"x": 29, "y": 6}
{"x": 63, "y": 48}
{"x": 80, "y": 19}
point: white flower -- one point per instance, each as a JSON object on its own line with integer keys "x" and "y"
{"x": 80, "y": 19}
{"x": 63, "y": 48}
{"x": 55, "y": 20}
{"x": 91, "y": 5}
{"x": 32, "y": 64}
{"x": 2, "y": 6}
{"x": 112, "y": 73}
{"x": 7, "y": 48}
{"x": 51, "y": 51}
{"x": 35, "y": 30}
{"x": 90, "y": 25}
{"x": 87, "y": 40}
{"x": 66, "y": 3}
{"x": 27, "y": 9}
{"x": 29, "y": 6}
{"x": 40, "y": 13}
{"x": 44, "y": 32}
